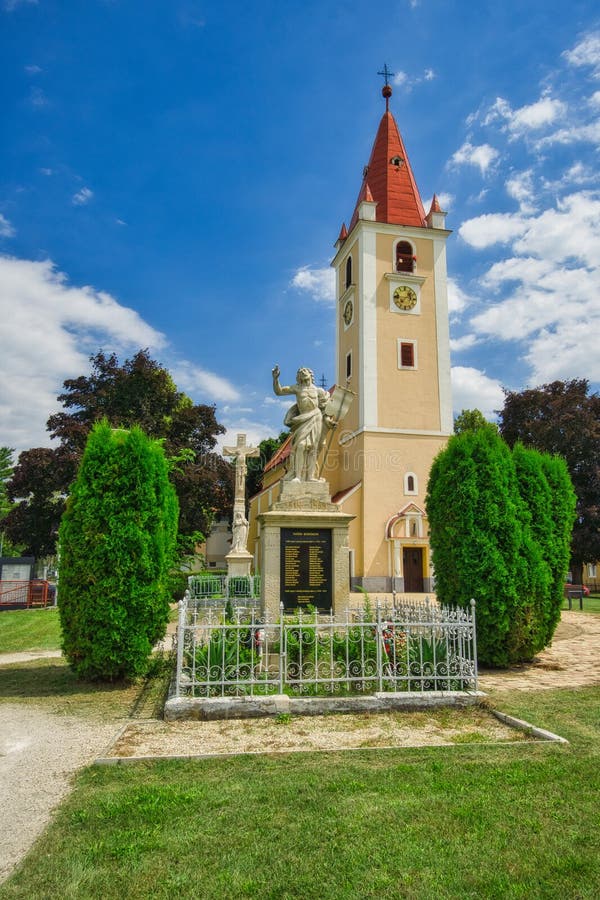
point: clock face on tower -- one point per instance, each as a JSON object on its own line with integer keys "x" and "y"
{"x": 405, "y": 298}
{"x": 348, "y": 311}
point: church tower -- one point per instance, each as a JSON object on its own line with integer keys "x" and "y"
{"x": 393, "y": 352}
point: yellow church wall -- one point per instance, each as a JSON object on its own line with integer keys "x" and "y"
{"x": 388, "y": 458}
{"x": 353, "y": 506}
{"x": 407, "y": 398}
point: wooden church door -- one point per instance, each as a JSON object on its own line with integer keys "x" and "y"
{"x": 412, "y": 563}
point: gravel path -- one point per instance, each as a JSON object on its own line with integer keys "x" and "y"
{"x": 39, "y": 753}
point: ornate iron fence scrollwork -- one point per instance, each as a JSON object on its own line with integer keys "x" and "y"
{"x": 400, "y": 647}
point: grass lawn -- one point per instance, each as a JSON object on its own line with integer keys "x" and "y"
{"x": 470, "y": 821}
{"x": 51, "y": 685}
{"x": 29, "y": 629}
{"x": 591, "y": 604}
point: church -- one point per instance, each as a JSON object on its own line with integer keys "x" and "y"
{"x": 393, "y": 353}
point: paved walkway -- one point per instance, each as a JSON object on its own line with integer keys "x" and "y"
{"x": 572, "y": 660}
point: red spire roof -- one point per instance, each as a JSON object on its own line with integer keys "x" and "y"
{"x": 389, "y": 180}
{"x": 435, "y": 205}
{"x": 343, "y": 232}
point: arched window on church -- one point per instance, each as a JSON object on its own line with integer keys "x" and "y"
{"x": 405, "y": 257}
{"x": 348, "y": 271}
{"x": 410, "y": 483}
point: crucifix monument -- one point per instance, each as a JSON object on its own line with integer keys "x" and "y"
{"x": 238, "y": 559}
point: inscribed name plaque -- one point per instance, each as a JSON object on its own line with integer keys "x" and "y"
{"x": 306, "y": 567}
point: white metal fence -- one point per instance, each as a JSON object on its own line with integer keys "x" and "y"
{"x": 216, "y": 590}
{"x": 405, "y": 647}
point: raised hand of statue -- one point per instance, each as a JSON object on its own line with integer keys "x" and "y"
{"x": 276, "y": 372}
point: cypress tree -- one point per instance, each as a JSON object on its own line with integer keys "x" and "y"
{"x": 557, "y": 541}
{"x": 117, "y": 543}
{"x": 500, "y": 526}
{"x": 477, "y": 537}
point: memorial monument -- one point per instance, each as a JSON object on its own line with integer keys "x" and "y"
{"x": 238, "y": 560}
{"x": 304, "y": 536}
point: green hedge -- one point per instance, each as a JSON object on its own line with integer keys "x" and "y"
{"x": 500, "y": 526}
{"x": 117, "y": 543}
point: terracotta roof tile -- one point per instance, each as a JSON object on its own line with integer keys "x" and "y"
{"x": 343, "y": 232}
{"x": 389, "y": 180}
{"x": 281, "y": 454}
{"x": 435, "y": 206}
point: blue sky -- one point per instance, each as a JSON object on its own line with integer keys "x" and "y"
{"x": 174, "y": 174}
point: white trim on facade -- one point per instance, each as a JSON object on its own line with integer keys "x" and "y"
{"x": 415, "y": 432}
{"x": 440, "y": 284}
{"x": 368, "y": 328}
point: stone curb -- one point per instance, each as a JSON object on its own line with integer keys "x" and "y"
{"x": 522, "y": 725}
{"x": 205, "y": 709}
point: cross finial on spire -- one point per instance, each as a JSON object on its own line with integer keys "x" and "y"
{"x": 387, "y": 88}
{"x": 386, "y": 73}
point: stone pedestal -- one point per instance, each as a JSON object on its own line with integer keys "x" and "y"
{"x": 239, "y": 562}
{"x": 315, "y": 561}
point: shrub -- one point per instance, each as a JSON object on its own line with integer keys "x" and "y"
{"x": 476, "y": 522}
{"x": 117, "y": 539}
{"x": 500, "y": 529}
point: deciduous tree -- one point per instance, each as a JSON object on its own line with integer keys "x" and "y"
{"x": 564, "y": 418}
{"x": 137, "y": 392}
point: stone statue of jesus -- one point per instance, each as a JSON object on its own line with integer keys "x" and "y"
{"x": 306, "y": 420}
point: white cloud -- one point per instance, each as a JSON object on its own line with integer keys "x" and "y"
{"x": 594, "y": 100}
{"x": 520, "y": 187}
{"x": 473, "y": 389}
{"x": 543, "y": 112}
{"x": 482, "y": 156}
{"x": 402, "y": 79}
{"x": 519, "y": 268}
{"x": 48, "y": 329}
{"x": 319, "y": 283}
{"x": 492, "y": 228}
{"x": 522, "y": 121}
{"x": 6, "y": 229}
{"x": 576, "y": 134}
{"x": 458, "y": 300}
{"x": 82, "y": 197}
{"x": 570, "y": 230}
{"x": 586, "y": 53}
{"x": 578, "y": 174}
{"x": 463, "y": 343}
{"x": 33, "y": 70}
{"x": 193, "y": 380}
{"x": 551, "y": 310}
{"x": 568, "y": 351}
{"x": 478, "y": 198}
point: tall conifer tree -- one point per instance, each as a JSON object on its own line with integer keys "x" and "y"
{"x": 117, "y": 542}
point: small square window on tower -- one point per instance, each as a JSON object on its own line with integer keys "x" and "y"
{"x": 407, "y": 354}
